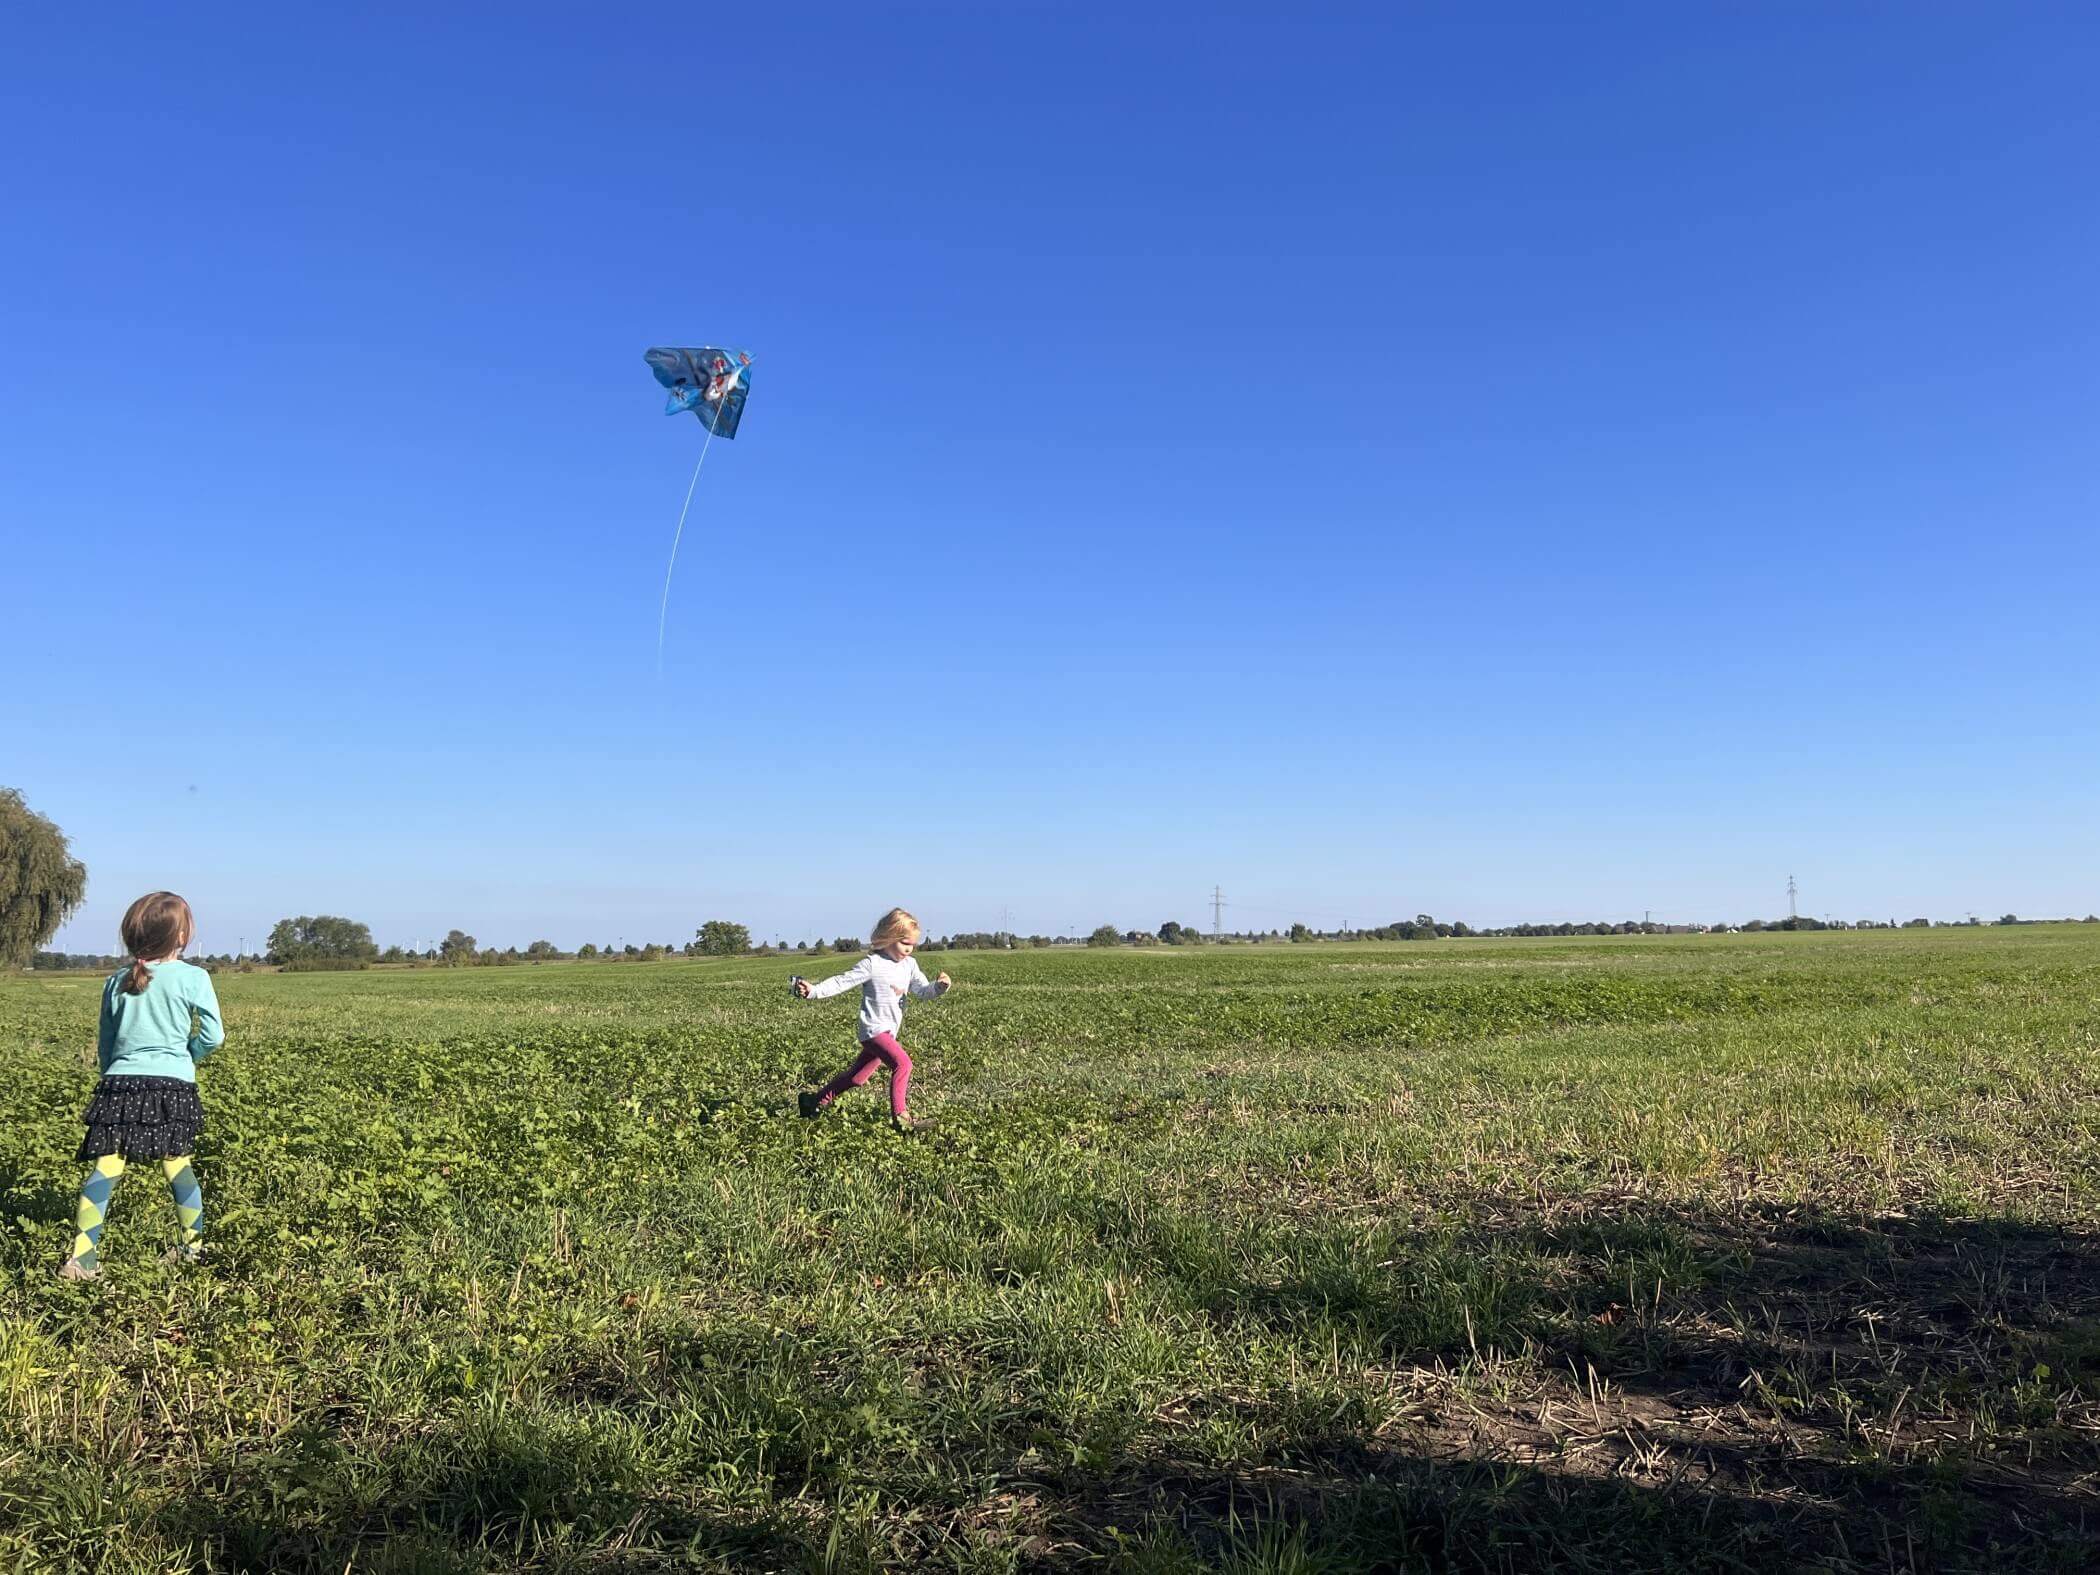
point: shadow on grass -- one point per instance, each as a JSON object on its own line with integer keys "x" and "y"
{"x": 534, "y": 1502}
{"x": 38, "y": 1197}
{"x": 1848, "y": 1393}
{"x": 1384, "y": 1509}
{"x": 1793, "y": 1391}
{"x": 504, "y": 1494}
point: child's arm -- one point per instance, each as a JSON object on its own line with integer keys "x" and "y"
{"x": 922, "y": 989}
{"x": 106, "y": 1035}
{"x": 857, "y": 974}
{"x": 211, "y": 1032}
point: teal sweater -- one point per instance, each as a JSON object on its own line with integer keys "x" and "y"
{"x": 152, "y": 1034}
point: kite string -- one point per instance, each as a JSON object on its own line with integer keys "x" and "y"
{"x": 678, "y": 535}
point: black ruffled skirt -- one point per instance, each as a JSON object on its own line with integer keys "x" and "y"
{"x": 143, "y": 1118}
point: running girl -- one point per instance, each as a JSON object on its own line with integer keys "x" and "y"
{"x": 884, "y": 976}
{"x": 160, "y": 1017}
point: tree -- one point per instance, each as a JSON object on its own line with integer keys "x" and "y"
{"x": 587, "y": 949}
{"x": 456, "y": 948}
{"x": 845, "y": 943}
{"x": 41, "y": 883}
{"x": 1300, "y": 933}
{"x": 540, "y": 951}
{"x": 1170, "y": 932}
{"x": 322, "y": 937}
{"x": 720, "y": 938}
{"x": 1106, "y": 935}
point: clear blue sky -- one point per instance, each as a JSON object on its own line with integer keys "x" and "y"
{"x": 1374, "y": 459}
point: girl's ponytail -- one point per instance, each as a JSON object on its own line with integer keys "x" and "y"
{"x": 157, "y": 925}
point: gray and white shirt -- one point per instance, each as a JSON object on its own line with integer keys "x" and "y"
{"x": 883, "y": 986}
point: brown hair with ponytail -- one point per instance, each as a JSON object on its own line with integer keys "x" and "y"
{"x": 157, "y": 925}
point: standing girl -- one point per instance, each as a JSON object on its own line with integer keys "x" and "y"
{"x": 160, "y": 1017}
{"x": 884, "y": 977}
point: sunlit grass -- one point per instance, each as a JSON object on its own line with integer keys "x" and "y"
{"x": 1631, "y": 1253}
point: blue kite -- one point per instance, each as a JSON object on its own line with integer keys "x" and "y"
{"x": 712, "y": 383}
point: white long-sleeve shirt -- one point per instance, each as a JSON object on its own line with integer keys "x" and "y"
{"x": 883, "y": 985}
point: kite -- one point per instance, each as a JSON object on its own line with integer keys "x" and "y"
{"x": 713, "y": 384}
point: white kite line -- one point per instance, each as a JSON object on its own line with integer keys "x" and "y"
{"x": 677, "y": 536}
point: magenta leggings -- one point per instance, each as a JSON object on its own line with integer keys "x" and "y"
{"x": 882, "y": 1050}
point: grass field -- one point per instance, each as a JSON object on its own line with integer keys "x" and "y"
{"x": 1698, "y": 1253}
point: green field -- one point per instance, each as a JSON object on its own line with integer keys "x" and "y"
{"x": 1693, "y": 1253}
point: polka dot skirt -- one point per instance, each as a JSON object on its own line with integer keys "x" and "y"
{"x": 142, "y": 1118}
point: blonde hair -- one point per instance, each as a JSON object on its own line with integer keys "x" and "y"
{"x": 157, "y": 925}
{"x": 896, "y": 925}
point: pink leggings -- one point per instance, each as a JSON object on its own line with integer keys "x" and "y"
{"x": 882, "y": 1050}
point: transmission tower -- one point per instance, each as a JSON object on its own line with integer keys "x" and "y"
{"x": 1217, "y": 911}
{"x": 1791, "y": 893}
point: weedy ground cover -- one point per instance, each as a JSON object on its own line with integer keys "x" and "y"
{"x": 1699, "y": 1253}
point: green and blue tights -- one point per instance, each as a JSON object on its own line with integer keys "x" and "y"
{"x": 94, "y": 1207}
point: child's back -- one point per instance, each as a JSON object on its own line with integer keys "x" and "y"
{"x": 165, "y": 1029}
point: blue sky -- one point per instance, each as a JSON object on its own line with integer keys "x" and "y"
{"x": 1376, "y": 459}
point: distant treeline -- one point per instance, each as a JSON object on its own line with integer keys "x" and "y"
{"x": 328, "y": 945}
{"x": 93, "y": 962}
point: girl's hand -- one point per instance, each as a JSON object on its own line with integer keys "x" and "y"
{"x": 802, "y": 988}
{"x": 944, "y": 982}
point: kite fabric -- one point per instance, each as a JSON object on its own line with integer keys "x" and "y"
{"x": 712, "y": 383}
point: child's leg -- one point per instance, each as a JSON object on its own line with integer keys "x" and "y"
{"x": 900, "y": 1072}
{"x": 189, "y": 1201}
{"x": 858, "y": 1073}
{"x": 94, "y": 1209}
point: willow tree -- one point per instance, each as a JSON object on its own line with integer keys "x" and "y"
{"x": 41, "y": 883}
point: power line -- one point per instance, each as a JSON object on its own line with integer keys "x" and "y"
{"x": 1217, "y": 911}
{"x": 1791, "y": 911}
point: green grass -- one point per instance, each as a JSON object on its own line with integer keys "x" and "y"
{"x": 1701, "y": 1253}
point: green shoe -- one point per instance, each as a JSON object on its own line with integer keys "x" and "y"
{"x": 189, "y": 1252}
{"x": 906, "y": 1123}
{"x": 74, "y": 1269}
